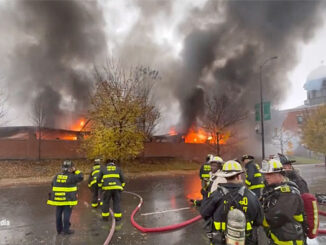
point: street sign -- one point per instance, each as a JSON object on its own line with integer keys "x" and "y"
{"x": 267, "y": 111}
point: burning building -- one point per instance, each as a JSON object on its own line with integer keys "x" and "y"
{"x": 53, "y": 46}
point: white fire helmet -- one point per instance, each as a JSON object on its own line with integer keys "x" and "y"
{"x": 231, "y": 168}
{"x": 216, "y": 159}
{"x": 271, "y": 166}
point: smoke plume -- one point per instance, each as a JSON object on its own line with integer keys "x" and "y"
{"x": 200, "y": 48}
{"x": 53, "y": 47}
{"x": 232, "y": 50}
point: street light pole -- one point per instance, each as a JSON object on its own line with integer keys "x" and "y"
{"x": 261, "y": 105}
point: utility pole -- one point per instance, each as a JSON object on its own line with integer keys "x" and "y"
{"x": 261, "y": 105}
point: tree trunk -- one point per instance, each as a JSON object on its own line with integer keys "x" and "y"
{"x": 281, "y": 140}
{"x": 39, "y": 144}
{"x": 217, "y": 144}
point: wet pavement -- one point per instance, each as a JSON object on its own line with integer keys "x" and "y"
{"x": 26, "y": 219}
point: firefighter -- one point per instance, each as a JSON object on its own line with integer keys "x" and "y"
{"x": 254, "y": 179}
{"x": 204, "y": 178}
{"x": 93, "y": 185}
{"x": 214, "y": 178}
{"x": 292, "y": 174}
{"x": 229, "y": 196}
{"x": 112, "y": 180}
{"x": 283, "y": 207}
{"x": 64, "y": 195}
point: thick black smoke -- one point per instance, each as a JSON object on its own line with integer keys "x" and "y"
{"x": 224, "y": 44}
{"x": 56, "y": 45}
{"x": 50, "y": 47}
{"x": 233, "y": 48}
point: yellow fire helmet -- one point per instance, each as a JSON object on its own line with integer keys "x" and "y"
{"x": 271, "y": 166}
{"x": 231, "y": 168}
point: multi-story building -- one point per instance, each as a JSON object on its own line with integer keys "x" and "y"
{"x": 315, "y": 86}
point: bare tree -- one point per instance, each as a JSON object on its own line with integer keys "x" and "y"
{"x": 145, "y": 78}
{"x": 38, "y": 119}
{"x": 221, "y": 115}
{"x": 3, "y": 109}
{"x": 281, "y": 138}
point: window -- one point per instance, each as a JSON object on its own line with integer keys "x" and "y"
{"x": 299, "y": 119}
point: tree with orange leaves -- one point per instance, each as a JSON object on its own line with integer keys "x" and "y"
{"x": 314, "y": 130}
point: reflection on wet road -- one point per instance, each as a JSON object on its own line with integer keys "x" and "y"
{"x": 31, "y": 221}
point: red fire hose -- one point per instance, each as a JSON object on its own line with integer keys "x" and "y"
{"x": 322, "y": 232}
{"x": 157, "y": 229}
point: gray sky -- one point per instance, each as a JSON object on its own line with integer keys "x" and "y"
{"x": 313, "y": 54}
{"x": 150, "y": 32}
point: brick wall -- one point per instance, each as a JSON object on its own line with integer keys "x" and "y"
{"x": 65, "y": 149}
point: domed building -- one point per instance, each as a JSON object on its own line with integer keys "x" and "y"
{"x": 316, "y": 87}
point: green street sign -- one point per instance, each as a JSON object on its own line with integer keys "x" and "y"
{"x": 267, "y": 111}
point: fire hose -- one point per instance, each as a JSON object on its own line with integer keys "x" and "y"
{"x": 321, "y": 201}
{"x": 144, "y": 229}
{"x": 321, "y": 232}
{"x": 108, "y": 239}
{"x": 169, "y": 227}
{"x": 157, "y": 229}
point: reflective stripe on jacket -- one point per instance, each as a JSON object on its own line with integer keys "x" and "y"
{"x": 94, "y": 175}
{"x": 254, "y": 179}
{"x": 64, "y": 189}
{"x": 229, "y": 196}
{"x": 284, "y": 215}
{"x": 111, "y": 178}
{"x": 204, "y": 171}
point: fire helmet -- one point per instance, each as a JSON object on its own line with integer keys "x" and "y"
{"x": 97, "y": 161}
{"x": 67, "y": 164}
{"x": 244, "y": 157}
{"x": 271, "y": 166}
{"x": 231, "y": 168}
{"x": 216, "y": 159}
{"x": 209, "y": 157}
{"x": 283, "y": 159}
{"x": 110, "y": 161}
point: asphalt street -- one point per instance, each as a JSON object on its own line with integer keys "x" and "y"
{"x": 26, "y": 219}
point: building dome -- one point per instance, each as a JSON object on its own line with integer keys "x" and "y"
{"x": 315, "y": 79}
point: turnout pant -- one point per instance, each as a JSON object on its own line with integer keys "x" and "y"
{"x": 96, "y": 194}
{"x": 64, "y": 211}
{"x": 115, "y": 196}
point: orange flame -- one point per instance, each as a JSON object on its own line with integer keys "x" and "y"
{"x": 199, "y": 136}
{"x": 78, "y": 125}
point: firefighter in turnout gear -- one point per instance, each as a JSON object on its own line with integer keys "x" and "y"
{"x": 64, "y": 195}
{"x": 112, "y": 180}
{"x": 93, "y": 185}
{"x": 254, "y": 179}
{"x": 204, "y": 175}
{"x": 214, "y": 178}
{"x": 292, "y": 174}
{"x": 230, "y": 196}
{"x": 283, "y": 207}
